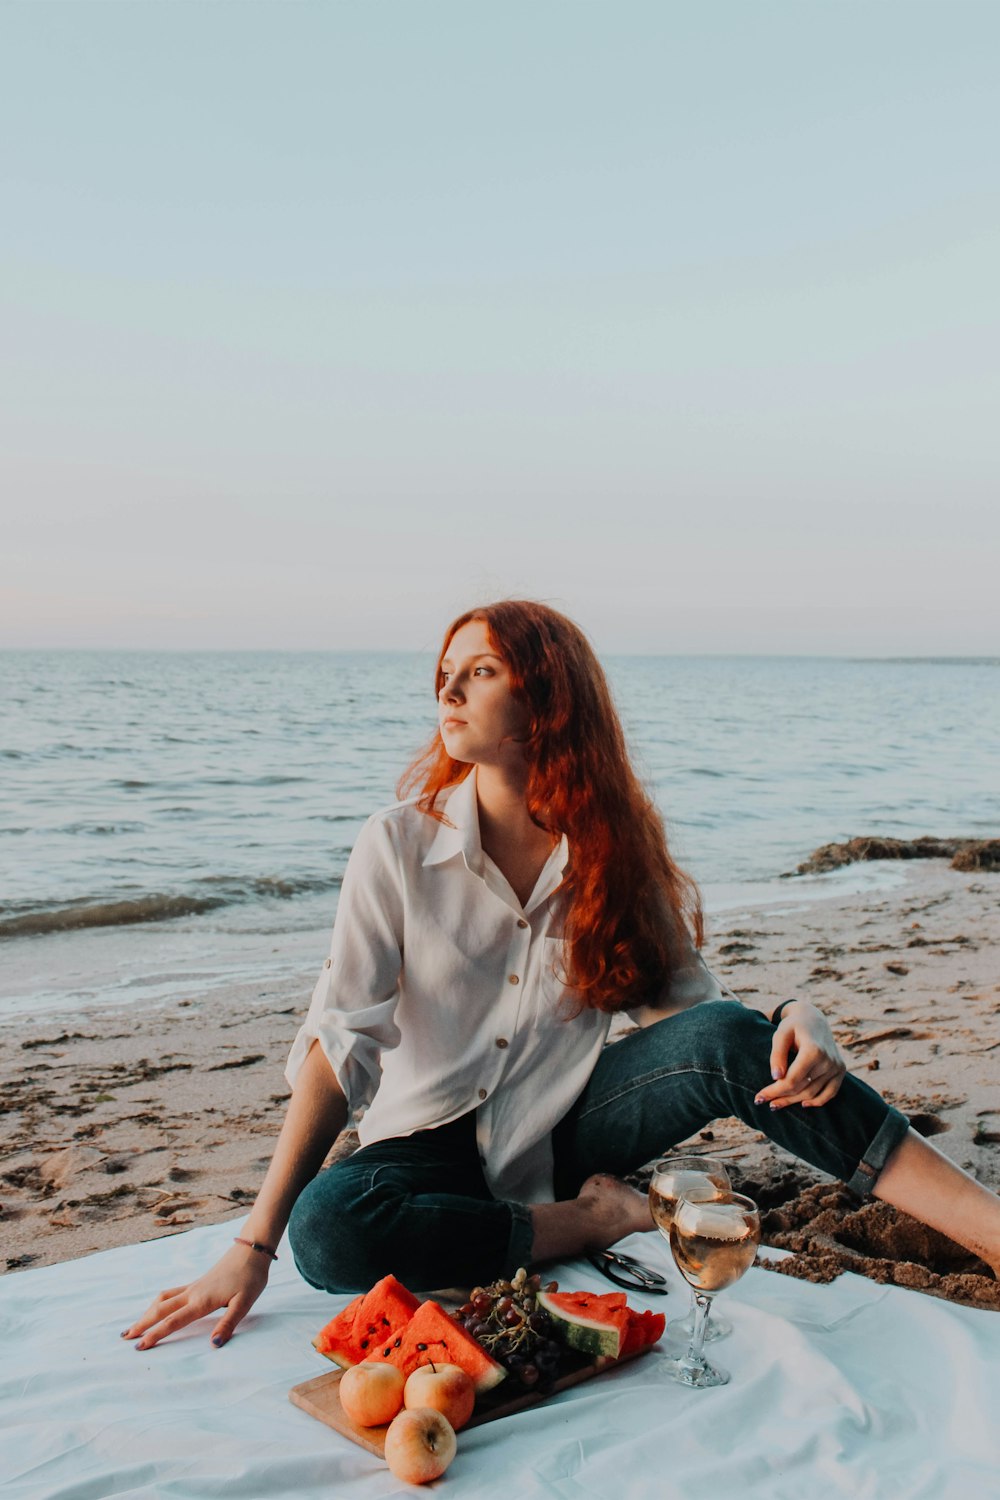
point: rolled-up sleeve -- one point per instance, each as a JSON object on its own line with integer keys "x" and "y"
{"x": 352, "y": 1011}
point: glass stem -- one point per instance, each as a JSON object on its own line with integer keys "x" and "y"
{"x": 702, "y": 1304}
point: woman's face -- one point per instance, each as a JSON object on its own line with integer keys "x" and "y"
{"x": 481, "y": 722}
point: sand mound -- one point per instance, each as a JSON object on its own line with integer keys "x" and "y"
{"x": 828, "y": 1233}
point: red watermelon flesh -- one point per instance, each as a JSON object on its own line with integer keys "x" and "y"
{"x": 643, "y": 1329}
{"x": 366, "y": 1322}
{"x": 386, "y": 1309}
{"x": 334, "y": 1340}
{"x": 433, "y": 1337}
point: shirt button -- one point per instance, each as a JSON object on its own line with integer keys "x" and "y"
{"x": 513, "y": 979}
{"x": 521, "y": 922}
{"x": 482, "y": 1093}
{"x": 501, "y": 1041}
{"x": 328, "y": 963}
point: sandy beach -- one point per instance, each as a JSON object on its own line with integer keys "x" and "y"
{"x": 121, "y": 1127}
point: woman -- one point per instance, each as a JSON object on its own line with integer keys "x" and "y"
{"x": 488, "y": 930}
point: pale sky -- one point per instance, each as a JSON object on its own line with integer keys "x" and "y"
{"x": 321, "y": 321}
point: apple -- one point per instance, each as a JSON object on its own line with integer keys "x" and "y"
{"x": 445, "y": 1388}
{"x": 371, "y": 1393}
{"x": 420, "y": 1444}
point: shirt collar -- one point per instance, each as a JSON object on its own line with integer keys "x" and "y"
{"x": 460, "y": 835}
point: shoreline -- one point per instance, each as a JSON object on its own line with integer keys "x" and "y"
{"x": 165, "y": 963}
{"x": 123, "y": 1125}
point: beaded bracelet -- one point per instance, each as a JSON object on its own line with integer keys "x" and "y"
{"x": 776, "y": 1012}
{"x": 256, "y": 1245}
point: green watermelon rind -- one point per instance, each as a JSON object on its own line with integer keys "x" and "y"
{"x": 592, "y": 1336}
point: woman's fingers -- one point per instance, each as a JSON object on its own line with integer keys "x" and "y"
{"x": 818, "y": 1087}
{"x": 235, "y": 1313}
{"x": 178, "y": 1313}
{"x": 163, "y": 1303}
{"x": 830, "y": 1088}
{"x": 809, "y": 1081}
{"x": 179, "y": 1318}
{"x": 167, "y": 1312}
{"x": 780, "y": 1049}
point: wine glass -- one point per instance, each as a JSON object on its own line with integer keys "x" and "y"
{"x": 671, "y": 1177}
{"x": 714, "y": 1239}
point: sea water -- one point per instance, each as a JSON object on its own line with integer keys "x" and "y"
{"x": 172, "y": 823}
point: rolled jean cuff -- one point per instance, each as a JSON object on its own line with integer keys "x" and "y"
{"x": 522, "y": 1237}
{"x": 887, "y": 1138}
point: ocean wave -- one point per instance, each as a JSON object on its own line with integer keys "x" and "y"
{"x": 101, "y": 828}
{"x": 159, "y": 907}
{"x": 282, "y": 886}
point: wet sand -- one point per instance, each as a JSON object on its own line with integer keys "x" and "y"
{"x": 120, "y": 1127}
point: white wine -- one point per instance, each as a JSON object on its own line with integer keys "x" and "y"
{"x": 666, "y": 1187}
{"x": 713, "y": 1243}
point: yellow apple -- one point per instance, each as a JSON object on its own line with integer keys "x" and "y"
{"x": 445, "y": 1388}
{"x": 371, "y": 1393}
{"x": 419, "y": 1445}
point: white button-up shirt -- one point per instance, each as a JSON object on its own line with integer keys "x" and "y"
{"x": 442, "y": 995}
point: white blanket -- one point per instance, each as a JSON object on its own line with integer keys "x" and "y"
{"x": 849, "y": 1389}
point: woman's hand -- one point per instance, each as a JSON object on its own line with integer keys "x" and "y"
{"x": 805, "y": 1060}
{"x": 235, "y": 1282}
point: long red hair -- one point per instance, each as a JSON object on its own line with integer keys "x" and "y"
{"x": 625, "y": 901}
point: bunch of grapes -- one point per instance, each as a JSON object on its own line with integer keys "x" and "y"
{"x": 506, "y": 1319}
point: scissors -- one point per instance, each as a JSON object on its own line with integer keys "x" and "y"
{"x": 629, "y": 1273}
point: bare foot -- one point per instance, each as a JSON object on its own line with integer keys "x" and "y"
{"x": 617, "y": 1209}
{"x": 605, "y": 1210}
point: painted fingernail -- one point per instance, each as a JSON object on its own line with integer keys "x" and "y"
{"x": 775, "y": 1106}
{"x": 759, "y": 1100}
{"x": 123, "y": 1334}
{"x": 776, "y": 1073}
{"x": 217, "y": 1341}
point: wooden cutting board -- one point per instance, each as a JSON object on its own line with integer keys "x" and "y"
{"x": 320, "y": 1397}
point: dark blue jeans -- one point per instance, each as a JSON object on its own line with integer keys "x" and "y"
{"x": 418, "y": 1206}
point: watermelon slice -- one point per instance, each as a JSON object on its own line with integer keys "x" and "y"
{"x": 432, "y": 1336}
{"x": 600, "y": 1324}
{"x": 643, "y": 1329}
{"x": 333, "y": 1340}
{"x": 367, "y": 1322}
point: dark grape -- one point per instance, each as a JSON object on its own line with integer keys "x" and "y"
{"x": 506, "y": 1319}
